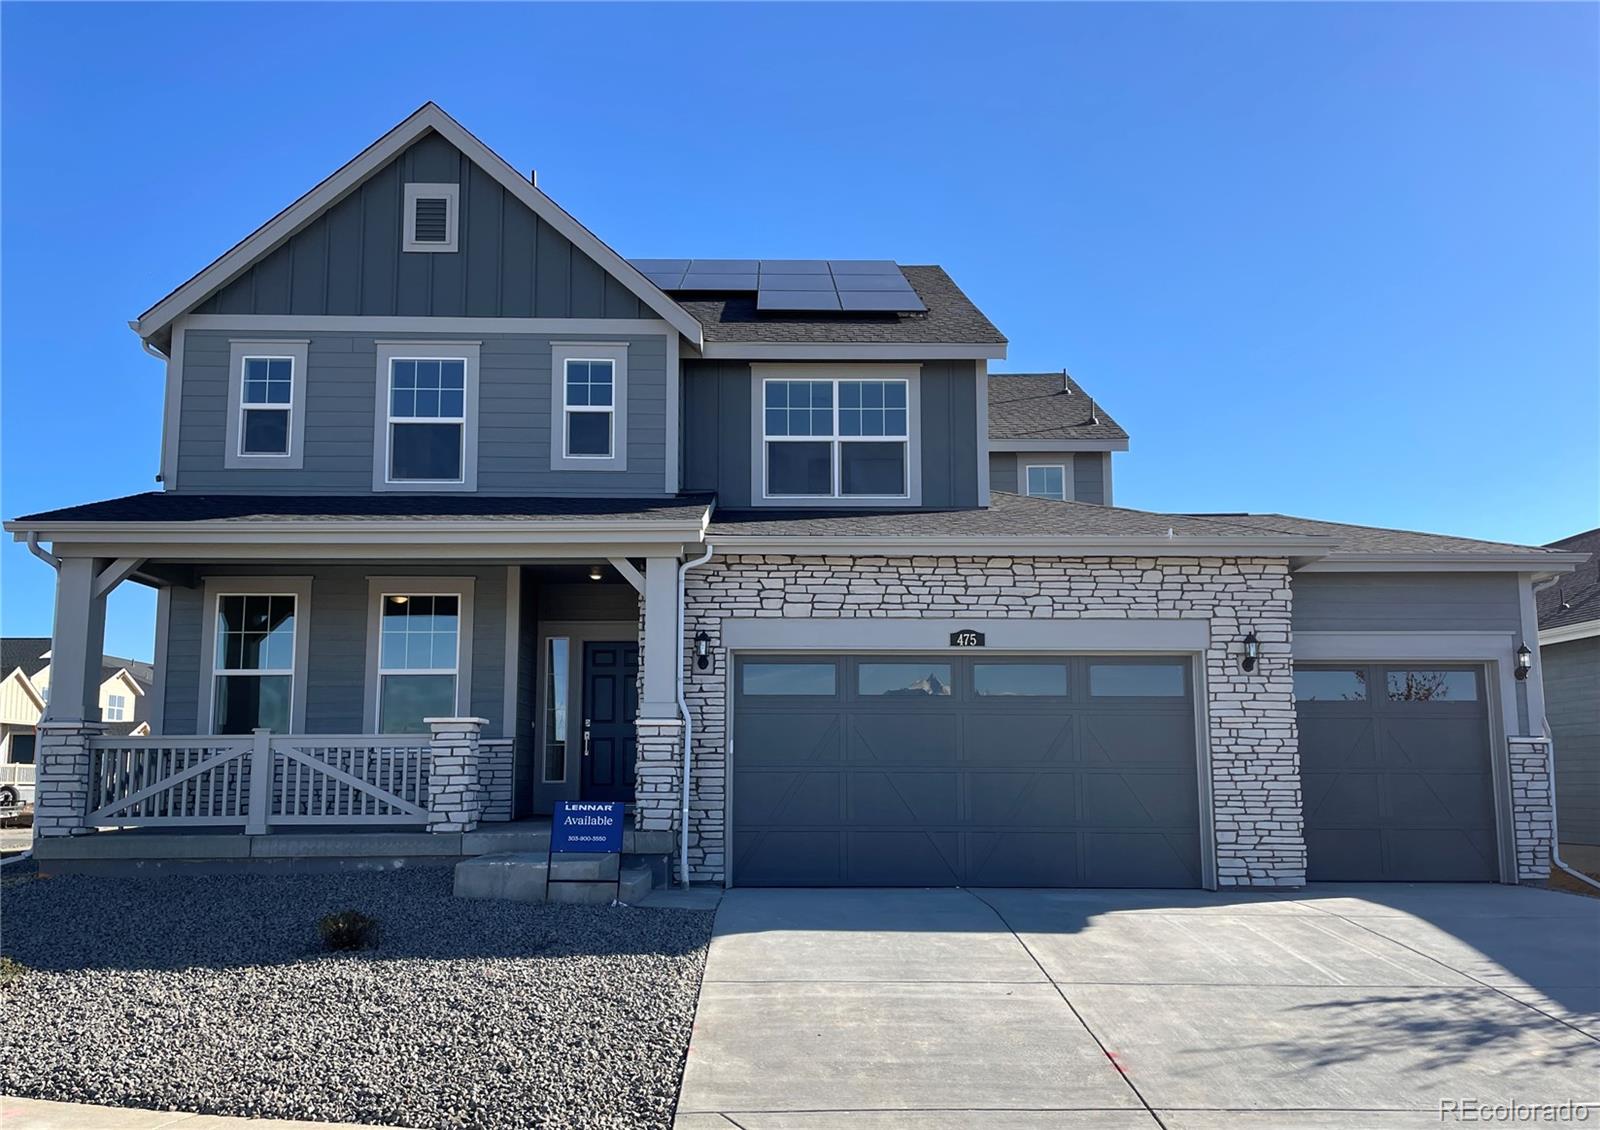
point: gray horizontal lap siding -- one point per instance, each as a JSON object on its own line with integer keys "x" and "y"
{"x": 511, "y": 264}
{"x": 335, "y": 684}
{"x": 1572, "y": 699}
{"x": 717, "y": 422}
{"x": 1412, "y": 602}
{"x": 514, "y": 403}
{"x": 1088, "y": 472}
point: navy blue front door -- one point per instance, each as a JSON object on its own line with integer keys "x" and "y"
{"x": 610, "y": 706}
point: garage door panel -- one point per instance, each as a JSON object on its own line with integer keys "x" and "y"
{"x": 1433, "y": 743}
{"x": 914, "y": 738}
{"x": 1440, "y": 855}
{"x": 1023, "y": 799}
{"x": 1343, "y": 854}
{"x": 1333, "y": 742}
{"x": 1133, "y": 859}
{"x": 770, "y": 797}
{"x": 1145, "y": 800}
{"x": 790, "y": 737}
{"x": 910, "y": 858}
{"x": 902, "y": 799}
{"x": 1458, "y": 800}
{"x": 1341, "y": 799}
{"x": 1139, "y": 739}
{"x": 1023, "y": 859}
{"x": 991, "y": 737}
{"x": 792, "y": 858}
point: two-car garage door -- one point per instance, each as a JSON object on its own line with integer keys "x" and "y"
{"x": 951, "y": 769}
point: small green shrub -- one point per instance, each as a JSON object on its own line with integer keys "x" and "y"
{"x": 10, "y": 970}
{"x": 348, "y": 930}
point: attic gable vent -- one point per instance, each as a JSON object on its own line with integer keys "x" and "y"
{"x": 431, "y": 217}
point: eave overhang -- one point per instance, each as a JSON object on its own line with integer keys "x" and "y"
{"x": 1297, "y": 550}
{"x": 1540, "y": 565}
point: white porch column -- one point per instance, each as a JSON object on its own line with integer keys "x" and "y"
{"x": 78, "y": 642}
{"x": 658, "y": 638}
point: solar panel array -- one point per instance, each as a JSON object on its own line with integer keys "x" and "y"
{"x": 847, "y": 285}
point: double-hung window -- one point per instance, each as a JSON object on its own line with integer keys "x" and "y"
{"x": 836, "y": 438}
{"x": 589, "y": 406}
{"x": 1046, "y": 480}
{"x": 427, "y": 416}
{"x": 419, "y": 651}
{"x": 253, "y": 662}
{"x": 266, "y": 404}
{"x": 116, "y": 709}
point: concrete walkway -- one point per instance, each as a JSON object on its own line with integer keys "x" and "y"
{"x": 1348, "y": 1006}
{"x": 33, "y": 1114}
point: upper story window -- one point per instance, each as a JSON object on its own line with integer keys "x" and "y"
{"x": 1046, "y": 480}
{"x": 116, "y": 709}
{"x": 266, "y": 404}
{"x": 589, "y": 406}
{"x": 432, "y": 217}
{"x": 427, "y": 416}
{"x": 836, "y": 439}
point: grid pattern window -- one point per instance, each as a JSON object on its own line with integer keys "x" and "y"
{"x": 253, "y": 668}
{"x": 1047, "y": 480}
{"x": 427, "y": 419}
{"x": 590, "y": 404}
{"x": 266, "y": 405}
{"x": 419, "y": 654}
{"x": 836, "y": 438}
{"x": 116, "y": 708}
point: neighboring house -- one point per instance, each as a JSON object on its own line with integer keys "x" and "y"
{"x": 1569, "y": 647}
{"x": 124, "y": 690}
{"x": 436, "y": 458}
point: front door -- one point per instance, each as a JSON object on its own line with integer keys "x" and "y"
{"x": 610, "y": 706}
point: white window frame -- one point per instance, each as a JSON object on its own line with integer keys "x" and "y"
{"x": 909, "y": 375}
{"x": 239, "y": 353}
{"x": 1066, "y": 481}
{"x": 568, "y": 410}
{"x": 379, "y": 589}
{"x": 116, "y": 709}
{"x": 562, "y": 352}
{"x": 218, "y": 587}
{"x": 391, "y": 351}
{"x": 452, "y": 217}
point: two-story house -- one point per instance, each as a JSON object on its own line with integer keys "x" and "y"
{"x": 461, "y": 513}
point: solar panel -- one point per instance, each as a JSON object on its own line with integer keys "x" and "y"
{"x": 863, "y": 267}
{"x": 863, "y": 285}
{"x": 697, "y": 279}
{"x": 863, "y": 301}
{"x": 795, "y": 266}
{"x": 797, "y": 300}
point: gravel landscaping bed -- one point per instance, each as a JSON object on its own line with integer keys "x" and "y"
{"x": 213, "y": 994}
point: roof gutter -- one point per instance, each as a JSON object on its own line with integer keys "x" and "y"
{"x": 1297, "y": 548}
{"x": 1540, "y": 564}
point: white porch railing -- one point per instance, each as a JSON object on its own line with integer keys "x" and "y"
{"x": 17, "y": 773}
{"x": 257, "y": 781}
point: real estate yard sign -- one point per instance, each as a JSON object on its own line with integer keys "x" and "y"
{"x": 584, "y": 825}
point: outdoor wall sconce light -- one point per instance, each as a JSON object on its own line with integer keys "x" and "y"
{"x": 702, "y": 651}
{"x": 1524, "y": 662}
{"x": 594, "y": 573}
{"x": 1252, "y": 652}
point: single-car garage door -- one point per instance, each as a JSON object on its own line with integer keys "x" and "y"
{"x": 1396, "y": 773}
{"x": 946, "y": 770}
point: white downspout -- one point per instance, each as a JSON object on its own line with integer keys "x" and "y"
{"x": 688, "y": 722}
{"x": 1550, "y": 761}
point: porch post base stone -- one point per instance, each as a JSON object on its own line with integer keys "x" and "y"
{"x": 1530, "y": 805}
{"x": 657, "y": 771}
{"x": 455, "y": 801}
{"x": 61, "y": 796}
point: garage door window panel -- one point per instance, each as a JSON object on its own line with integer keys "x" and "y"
{"x": 1433, "y": 686}
{"x": 1019, "y": 680}
{"x": 1138, "y": 680}
{"x": 1317, "y": 685}
{"x": 903, "y": 680}
{"x": 788, "y": 680}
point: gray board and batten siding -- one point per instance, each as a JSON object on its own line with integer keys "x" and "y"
{"x": 1085, "y": 470}
{"x": 1572, "y": 699}
{"x": 717, "y": 431}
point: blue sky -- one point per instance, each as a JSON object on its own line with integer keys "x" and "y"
{"x": 1338, "y": 261}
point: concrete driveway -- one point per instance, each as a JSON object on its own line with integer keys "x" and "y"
{"x": 1341, "y": 1005}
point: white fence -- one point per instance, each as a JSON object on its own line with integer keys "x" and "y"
{"x": 16, "y": 781}
{"x": 257, "y": 781}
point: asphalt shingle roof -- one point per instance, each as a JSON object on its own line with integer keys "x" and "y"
{"x": 173, "y": 506}
{"x": 26, "y": 652}
{"x": 1369, "y": 539}
{"x": 951, "y": 318}
{"x": 1046, "y": 406}
{"x": 1575, "y": 597}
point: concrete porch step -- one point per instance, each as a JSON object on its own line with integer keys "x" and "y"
{"x": 593, "y": 879}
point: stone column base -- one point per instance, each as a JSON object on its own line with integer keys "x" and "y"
{"x": 1531, "y": 818}
{"x": 455, "y": 799}
{"x": 61, "y": 795}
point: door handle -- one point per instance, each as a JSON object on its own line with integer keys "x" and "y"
{"x": 586, "y": 737}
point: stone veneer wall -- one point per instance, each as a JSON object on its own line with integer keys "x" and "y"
{"x": 496, "y": 757}
{"x": 1253, "y": 744}
{"x": 1530, "y": 805}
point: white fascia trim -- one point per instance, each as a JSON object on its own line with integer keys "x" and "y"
{"x": 127, "y": 678}
{"x": 345, "y": 323}
{"x": 985, "y": 445}
{"x": 846, "y": 351}
{"x": 347, "y": 178}
{"x": 27, "y": 686}
{"x": 1026, "y": 446}
{"x": 1566, "y": 633}
{"x": 968, "y": 546}
{"x": 1541, "y": 564}
{"x": 287, "y": 532}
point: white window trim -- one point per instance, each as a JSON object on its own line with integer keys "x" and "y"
{"x": 761, "y": 374}
{"x": 218, "y": 587}
{"x": 116, "y": 707}
{"x": 1066, "y": 480}
{"x": 562, "y": 352}
{"x": 234, "y": 457}
{"x": 452, "y": 217}
{"x": 463, "y": 589}
{"x": 570, "y": 410}
{"x": 390, "y": 351}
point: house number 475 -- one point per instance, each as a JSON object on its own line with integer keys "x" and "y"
{"x": 966, "y": 638}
